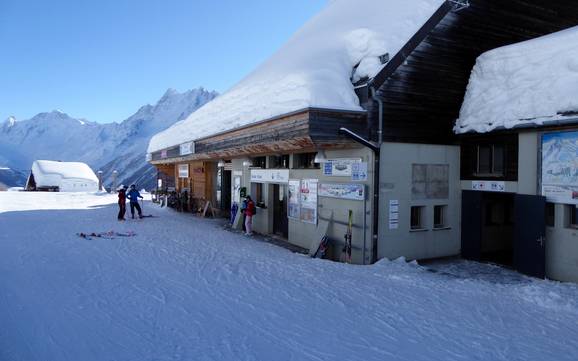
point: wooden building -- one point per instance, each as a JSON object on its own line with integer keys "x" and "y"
{"x": 413, "y": 185}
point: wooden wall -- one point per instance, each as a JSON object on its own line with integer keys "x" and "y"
{"x": 200, "y": 184}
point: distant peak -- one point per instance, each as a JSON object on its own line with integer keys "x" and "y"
{"x": 10, "y": 121}
{"x": 170, "y": 92}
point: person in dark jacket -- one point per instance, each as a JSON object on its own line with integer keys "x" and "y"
{"x": 249, "y": 213}
{"x": 243, "y": 209}
{"x": 121, "y": 202}
{"x": 133, "y": 196}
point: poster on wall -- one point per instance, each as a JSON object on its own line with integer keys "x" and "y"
{"x": 308, "y": 198}
{"x": 560, "y": 167}
{"x": 183, "y": 171}
{"x": 237, "y": 189}
{"x": 349, "y": 191}
{"x": 393, "y": 214}
{"x": 341, "y": 167}
{"x": 294, "y": 205}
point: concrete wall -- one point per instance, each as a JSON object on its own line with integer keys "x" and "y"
{"x": 396, "y": 184}
{"x": 305, "y": 234}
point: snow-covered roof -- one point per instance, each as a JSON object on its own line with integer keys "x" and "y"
{"x": 313, "y": 69}
{"x": 531, "y": 82}
{"x": 44, "y": 170}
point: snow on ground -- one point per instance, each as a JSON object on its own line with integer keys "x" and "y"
{"x": 312, "y": 69}
{"x": 185, "y": 289}
{"x": 531, "y": 82}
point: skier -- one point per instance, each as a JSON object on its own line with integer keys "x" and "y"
{"x": 249, "y": 212}
{"x": 121, "y": 202}
{"x": 243, "y": 209}
{"x": 133, "y": 196}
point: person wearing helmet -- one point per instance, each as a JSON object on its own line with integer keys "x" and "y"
{"x": 133, "y": 196}
{"x": 121, "y": 202}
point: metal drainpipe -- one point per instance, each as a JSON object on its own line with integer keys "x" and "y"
{"x": 376, "y": 174}
{"x": 376, "y": 148}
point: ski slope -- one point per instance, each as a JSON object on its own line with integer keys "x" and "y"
{"x": 185, "y": 289}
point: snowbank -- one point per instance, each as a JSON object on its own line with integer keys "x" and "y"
{"x": 68, "y": 176}
{"x": 525, "y": 83}
{"x": 16, "y": 200}
{"x": 313, "y": 69}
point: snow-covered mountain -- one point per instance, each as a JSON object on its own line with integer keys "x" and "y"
{"x": 107, "y": 147}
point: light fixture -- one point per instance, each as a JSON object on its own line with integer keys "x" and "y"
{"x": 221, "y": 164}
{"x": 320, "y": 157}
{"x": 247, "y": 163}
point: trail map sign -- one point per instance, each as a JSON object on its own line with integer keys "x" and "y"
{"x": 560, "y": 167}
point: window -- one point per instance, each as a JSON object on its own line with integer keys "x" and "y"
{"x": 279, "y": 161}
{"x": 440, "y": 216}
{"x": 257, "y": 194}
{"x": 416, "y": 221}
{"x": 571, "y": 216}
{"x": 259, "y": 162}
{"x": 550, "y": 214}
{"x": 305, "y": 161}
{"x": 491, "y": 160}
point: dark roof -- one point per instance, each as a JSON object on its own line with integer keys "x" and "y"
{"x": 424, "y": 86}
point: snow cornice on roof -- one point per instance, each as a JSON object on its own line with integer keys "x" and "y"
{"x": 528, "y": 84}
{"x": 313, "y": 69}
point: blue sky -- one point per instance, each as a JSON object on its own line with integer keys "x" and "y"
{"x": 101, "y": 60}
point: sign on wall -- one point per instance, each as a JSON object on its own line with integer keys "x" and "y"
{"x": 164, "y": 154}
{"x": 294, "y": 206}
{"x": 349, "y": 191}
{"x": 270, "y": 175}
{"x": 359, "y": 172}
{"x": 394, "y": 214}
{"x": 183, "y": 171}
{"x": 341, "y": 167}
{"x": 187, "y": 148}
{"x": 308, "y": 198}
{"x": 489, "y": 186}
{"x": 560, "y": 167}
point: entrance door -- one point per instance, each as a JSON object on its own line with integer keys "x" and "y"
{"x": 280, "y": 221}
{"x": 472, "y": 225}
{"x": 529, "y": 235}
{"x": 226, "y": 191}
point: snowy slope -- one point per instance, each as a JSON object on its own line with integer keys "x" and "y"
{"x": 185, "y": 289}
{"x": 526, "y": 83}
{"x": 313, "y": 69}
{"x": 121, "y": 146}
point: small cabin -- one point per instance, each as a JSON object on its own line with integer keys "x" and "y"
{"x": 55, "y": 176}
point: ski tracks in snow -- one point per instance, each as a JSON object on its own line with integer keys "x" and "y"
{"x": 183, "y": 289}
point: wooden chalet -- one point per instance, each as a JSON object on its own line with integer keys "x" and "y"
{"x": 413, "y": 190}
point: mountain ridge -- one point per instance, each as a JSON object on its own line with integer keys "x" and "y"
{"x": 120, "y": 146}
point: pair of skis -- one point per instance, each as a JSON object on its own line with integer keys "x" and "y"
{"x": 346, "y": 252}
{"x": 106, "y": 235}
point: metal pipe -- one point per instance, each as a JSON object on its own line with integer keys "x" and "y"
{"x": 379, "y": 116}
{"x": 375, "y": 201}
